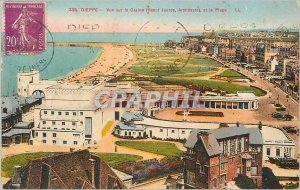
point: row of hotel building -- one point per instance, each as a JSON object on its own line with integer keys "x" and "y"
{"x": 278, "y": 58}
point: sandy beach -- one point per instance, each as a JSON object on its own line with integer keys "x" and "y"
{"x": 112, "y": 59}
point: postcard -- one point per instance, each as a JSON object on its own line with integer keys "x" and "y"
{"x": 150, "y": 94}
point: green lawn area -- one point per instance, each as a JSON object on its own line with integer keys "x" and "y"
{"x": 8, "y": 163}
{"x": 232, "y": 74}
{"x": 160, "y": 62}
{"x": 114, "y": 159}
{"x": 208, "y": 85}
{"x": 163, "y": 148}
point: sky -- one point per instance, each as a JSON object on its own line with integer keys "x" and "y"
{"x": 241, "y": 15}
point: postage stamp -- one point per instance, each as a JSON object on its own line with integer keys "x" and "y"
{"x": 24, "y": 31}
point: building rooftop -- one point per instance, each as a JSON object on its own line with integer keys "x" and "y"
{"x": 11, "y": 132}
{"x": 210, "y": 138}
{"x": 22, "y": 125}
{"x": 275, "y": 135}
{"x": 132, "y": 116}
{"x": 11, "y": 105}
{"x": 68, "y": 171}
{"x": 123, "y": 176}
{"x": 176, "y": 124}
{"x": 248, "y": 95}
{"x": 123, "y": 126}
{"x": 17, "y": 129}
{"x": 71, "y": 87}
{"x": 226, "y": 132}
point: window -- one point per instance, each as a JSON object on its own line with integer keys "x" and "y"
{"x": 238, "y": 171}
{"x": 53, "y": 134}
{"x": 268, "y": 151}
{"x": 65, "y": 142}
{"x": 190, "y": 178}
{"x": 173, "y": 131}
{"x": 53, "y": 122}
{"x": 44, "y": 122}
{"x": 81, "y": 113}
{"x": 253, "y": 170}
{"x": 235, "y": 146}
{"x": 45, "y": 112}
{"x": 74, "y": 113}
{"x": 63, "y": 123}
{"x": 133, "y": 133}
{"x": 215, "y": 183}
{"x": 52, "y": 112}
{"x": 254, "y": 158}
{"x": 248, "y": 169}
{"x": 183, "y": 132}
{"x": 59, "y": 113}
{"x": 76, "y": 135}
{"x": 54, "y": 142}
{"x": 223, "y": 178}
{"x": 223, "y": 166}
{"x": 75, "y": 142}
{"x": 36, "y": 134}
{"x": 44, "y": 141}
{"x": 73, "y": 123}
{"x": 228, "y": 147}
{"x": 242, "y": 144}
{"x": 44, "y": 134}
{"x": 277, "y": 152}
{"x": 222, "y": 148}
{"x": 4, "y": 110}
{"x": 201, "y": 169}
{"x": 67, "y": 113}
{"x": 161, "y": 130}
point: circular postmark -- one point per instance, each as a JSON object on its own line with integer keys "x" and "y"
{"x": 37, "y": 61}
{"x": 161, "y": 53}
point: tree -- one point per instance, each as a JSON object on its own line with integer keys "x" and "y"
{"x": 244, "y": 182}
{"x": 269, "y": 180}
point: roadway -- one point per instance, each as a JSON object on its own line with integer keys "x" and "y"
{"x": 291, "y": 105}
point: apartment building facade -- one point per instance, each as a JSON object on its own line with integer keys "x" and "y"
{"x": 217, "y": 156}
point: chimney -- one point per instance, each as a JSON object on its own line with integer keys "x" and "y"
{"x": 16, "y": 180}
{"x": 92, "y": 164}
{"x": 260, "y": 125}
{"x": 202, "y": 133}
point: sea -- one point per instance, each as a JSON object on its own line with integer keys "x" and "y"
{"x": 63, "y": 61}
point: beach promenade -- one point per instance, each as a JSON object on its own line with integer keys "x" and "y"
{"x": 110, "y": 62}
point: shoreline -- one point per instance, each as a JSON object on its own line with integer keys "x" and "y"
{"x": 111, "y": 60}
{"x": 72, "y": 72}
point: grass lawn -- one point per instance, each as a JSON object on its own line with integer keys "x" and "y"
{"x": 208, "y": 85}
{"x": 114, "y": 159}
{"x": 8, "y": 163}
{"x": 232, "y": 74}
{"x": 166, "y": 62}
{"x": 163, "y": 148}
